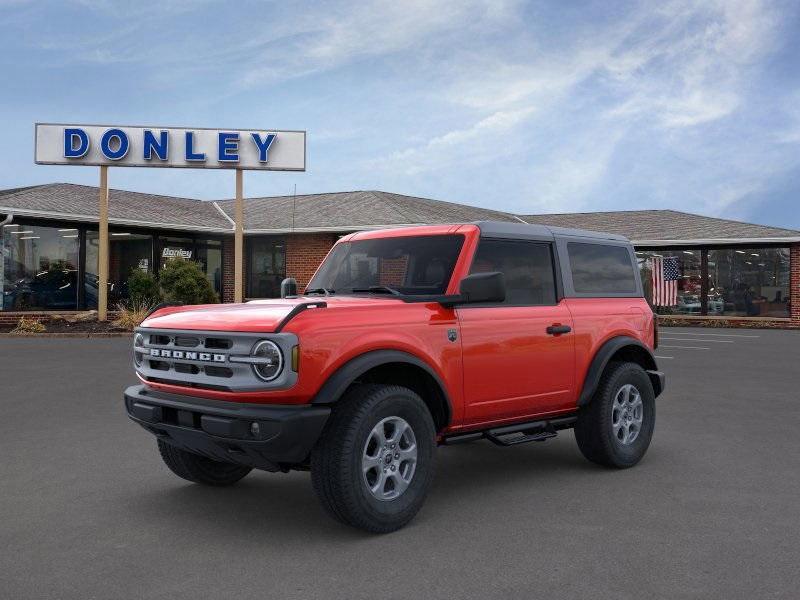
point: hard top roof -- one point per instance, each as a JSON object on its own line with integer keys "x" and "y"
{"x": 541, "y": 232}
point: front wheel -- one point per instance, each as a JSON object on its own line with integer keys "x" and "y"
{"x": 616, "y": 427}
{"x": 373, "y": 464}
{"x": 199, "y": 469}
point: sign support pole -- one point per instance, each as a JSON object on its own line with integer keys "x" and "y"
{"x": 238, "y": 254}
{"x": 102, "y": 267}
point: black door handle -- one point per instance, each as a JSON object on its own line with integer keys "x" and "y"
{"x": 558, "y": 329}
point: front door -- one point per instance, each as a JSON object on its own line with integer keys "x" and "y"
{"x": 513, "y": 367}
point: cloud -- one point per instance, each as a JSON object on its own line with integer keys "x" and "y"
{"x": 476, "y": 143}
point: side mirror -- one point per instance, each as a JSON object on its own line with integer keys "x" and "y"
{"x": 289, "y": 287}
{"x": 483, "y": 287}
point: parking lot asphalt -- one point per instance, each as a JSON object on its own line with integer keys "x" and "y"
{"x": 87, "y": 509}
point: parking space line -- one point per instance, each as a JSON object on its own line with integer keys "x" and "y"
{"x": 695, "y": 340}
{"x": 736, "y": 335}
{"x": 687, "y": 347}
{"x": 669, "y": 357}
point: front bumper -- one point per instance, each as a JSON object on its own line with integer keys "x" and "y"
{"x": 224, "y": 430}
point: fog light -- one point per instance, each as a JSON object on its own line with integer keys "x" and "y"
{"x": 255, "y": 429}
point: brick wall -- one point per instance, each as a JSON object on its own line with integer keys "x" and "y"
{"x": 794, "y": 283}
{"x": 392, "y": 271}
{"x": 228, "y": 266}
{"x": 304, "y": 253}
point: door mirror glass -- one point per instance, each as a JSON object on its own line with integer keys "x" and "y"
{"x": 483, "y": 287}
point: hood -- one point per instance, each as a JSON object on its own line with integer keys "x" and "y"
{"x": 262, "y": 316}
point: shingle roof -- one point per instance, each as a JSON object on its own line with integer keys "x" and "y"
{"x": 350, "y": 211}
{"x": 80, "y": 202}
{"x": 663, "y": 225}
{"x": 344, "y": 211}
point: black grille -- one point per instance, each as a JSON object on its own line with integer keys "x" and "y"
{"x": 218, "y": 343}
{"x": 212, "y": 371}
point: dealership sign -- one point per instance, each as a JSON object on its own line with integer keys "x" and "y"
{"x": 193, "y": 148}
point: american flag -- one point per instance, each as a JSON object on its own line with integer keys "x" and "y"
{"x": 665, "y": 281}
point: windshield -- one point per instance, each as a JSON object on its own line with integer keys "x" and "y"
{"x": 408, "y": 265}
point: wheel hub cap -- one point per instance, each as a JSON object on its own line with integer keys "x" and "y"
{"x": 627, "y": 414}
{"x": 389, "y": 459}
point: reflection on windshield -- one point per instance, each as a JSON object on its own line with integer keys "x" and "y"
{"x": 409, "y": 265}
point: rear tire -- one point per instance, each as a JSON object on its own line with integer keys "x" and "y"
{"x": 615, "y": 429}
{"x": 374, "y": 463}
{"x": 199, "y": 469}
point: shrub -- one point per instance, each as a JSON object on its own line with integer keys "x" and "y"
{"x": 132, "y": 313}
{"x": 184, "y": 281}
{"x": 143, "y": 288}
{"x": 26, "y": 325}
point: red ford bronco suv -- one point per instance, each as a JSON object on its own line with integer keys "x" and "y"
{"x": 404, "y": 340}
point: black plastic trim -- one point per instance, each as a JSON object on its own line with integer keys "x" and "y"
{"x": 601, "y": 359}
{"x": 222, "y": 430}
{"x": 335, "y": 386}
{"x": 297, "y": 310}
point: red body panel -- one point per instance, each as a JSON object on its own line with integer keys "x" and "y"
{"x": 502, "y": 367}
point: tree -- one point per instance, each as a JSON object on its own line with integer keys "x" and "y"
{"x": 184, "y": 281}
{"x": 143, "y": 288}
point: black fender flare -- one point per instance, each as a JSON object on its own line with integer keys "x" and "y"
{"x": 602, "y": 358}
{"x": 335, "y": 386}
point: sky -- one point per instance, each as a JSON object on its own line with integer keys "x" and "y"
{"x": 527, "y": 107}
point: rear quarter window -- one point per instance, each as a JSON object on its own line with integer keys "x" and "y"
{"x": 601, "y": 269}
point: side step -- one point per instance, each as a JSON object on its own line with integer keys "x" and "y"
{"x": 519, "y": 433}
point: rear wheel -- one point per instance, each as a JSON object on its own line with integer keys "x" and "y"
{"x": 616, "y": 427}
{"x": 199, "y": 469}
{"x": 374, "y": 463}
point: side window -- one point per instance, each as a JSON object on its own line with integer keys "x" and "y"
{"x": 601, "y": 269}
{"x": 527, "y": 267}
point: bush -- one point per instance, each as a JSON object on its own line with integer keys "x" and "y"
{"x": 184, "y": 281}
{"x": 143, "y": 288}
{"x": 25, "y": 325}
{"x": 132, "y": 313}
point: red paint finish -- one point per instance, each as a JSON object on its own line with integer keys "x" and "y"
{"x": 502, "y": 366}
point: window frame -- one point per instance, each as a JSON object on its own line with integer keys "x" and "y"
{"x": 557, "y": 282}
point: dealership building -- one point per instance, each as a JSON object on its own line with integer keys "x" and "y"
{"x": 744, "y": 274}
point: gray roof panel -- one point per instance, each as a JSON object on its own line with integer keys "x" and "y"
{"x": 667, "y": 225}
{"x": 80, "y": 202}
{"x": 348, "y": 211}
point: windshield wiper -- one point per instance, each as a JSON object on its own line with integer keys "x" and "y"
{"x": 378, "y": 289}
{"x": 320, "y": 290}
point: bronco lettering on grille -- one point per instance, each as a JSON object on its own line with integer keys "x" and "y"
{"x": 204, "y": 356}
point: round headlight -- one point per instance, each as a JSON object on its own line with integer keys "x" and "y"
{"x": 138, "y": 342}
{"x": 270, "y": 361}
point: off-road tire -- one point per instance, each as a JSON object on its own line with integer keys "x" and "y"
{"x": 199, "y": 469}
{"x": 594, "y": 431}
{"x": 336, "y": 461}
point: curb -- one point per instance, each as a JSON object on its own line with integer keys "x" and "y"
{"x": 120, "y": 334}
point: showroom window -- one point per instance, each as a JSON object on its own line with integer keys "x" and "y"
{"x": 39, "y": 267}
{"x": 749, "y": 282}
{"x": 266, "y": 266}
{"x": 684, "y": 296}
{"x": 206, "y": 252}
{"x": 128, "y": 251}
{"x": 734, "y": 282}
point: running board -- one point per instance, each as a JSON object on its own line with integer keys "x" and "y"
{"x": 519, "y": 433}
